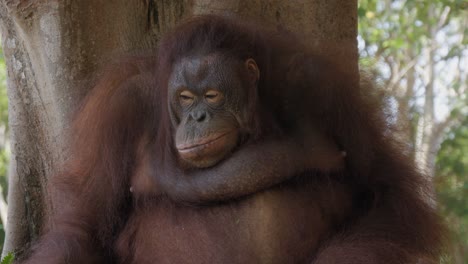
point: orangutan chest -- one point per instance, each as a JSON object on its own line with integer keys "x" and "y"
{"x": 276, "y": 226}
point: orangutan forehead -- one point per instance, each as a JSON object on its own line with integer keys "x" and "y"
{"x": 196, "y": 68}
{"x": 196, "y": 71}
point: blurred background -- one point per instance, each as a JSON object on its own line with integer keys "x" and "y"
{"x": 417, "y": 51}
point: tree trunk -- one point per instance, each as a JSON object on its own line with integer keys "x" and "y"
{"x": 53, "y": 49}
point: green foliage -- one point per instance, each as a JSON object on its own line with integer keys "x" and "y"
{"x": 8, "y": 259}
{"x": 396, "y": 25}
{"x": 395, "y": 34}
{"x": 3, "y": 95}
{"x": 4, "y": 153}
{"x": 452, "y": 185}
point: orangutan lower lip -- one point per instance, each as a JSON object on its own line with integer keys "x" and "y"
{"x": 187, "y": 148}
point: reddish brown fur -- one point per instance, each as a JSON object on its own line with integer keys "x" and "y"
{"x": 374, "y": 213}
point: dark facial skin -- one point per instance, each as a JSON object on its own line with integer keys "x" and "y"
{"x": 208, "y": 107}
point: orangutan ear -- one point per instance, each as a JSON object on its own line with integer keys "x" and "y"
{"x": 252, "y": 69}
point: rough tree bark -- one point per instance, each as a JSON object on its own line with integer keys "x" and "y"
{"x": 53, "y": 49}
